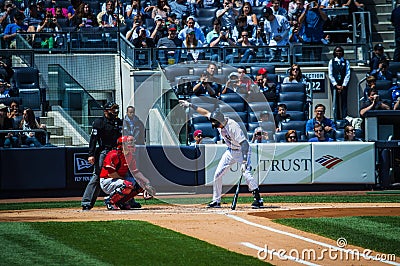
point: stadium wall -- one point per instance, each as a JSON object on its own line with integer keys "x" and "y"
{"x": 65, "y": 170}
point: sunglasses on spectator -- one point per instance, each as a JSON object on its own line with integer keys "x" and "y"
{"x": 292, "y": 137}
{"x": 318, "y": 130}
{"x": 245, "y": 35}
{"x": 352, "y": 130}
{"x": 295, "y": 69}
{"x": 199, "y": 136}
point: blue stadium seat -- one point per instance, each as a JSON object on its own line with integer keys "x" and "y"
{"x": 237, "y": 116}
{"x": 294, "y": 105}
{"x": 293, "y": 87}
{"x": 296, "y": 115}
{"x": 296, "y": 125}
{"x": 292, "y": 96}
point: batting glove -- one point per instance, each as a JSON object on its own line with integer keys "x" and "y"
{"x": 243, "y": 167}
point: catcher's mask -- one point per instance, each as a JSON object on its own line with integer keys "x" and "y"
{"x": 217, "y": 118}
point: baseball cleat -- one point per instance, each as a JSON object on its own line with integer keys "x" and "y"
{"x": 110, "y": 206}
{"x": 134, "y": 204}
{"x": 86, "y": 208}
{"x": 124, "y": 206}
{"x": 214, "y": 204}
{"x": 257, "y": 204}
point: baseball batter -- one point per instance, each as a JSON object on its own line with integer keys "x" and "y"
{"x": 237, "y": 151}
{"x": 115, "y": 179}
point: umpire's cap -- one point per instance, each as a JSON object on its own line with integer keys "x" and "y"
{"x": 217, "y": 118}
{"x": 111, "y": 105}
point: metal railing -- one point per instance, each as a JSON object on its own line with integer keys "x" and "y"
{"x": 25, "y": 131}
{"x": 101, "y": 40}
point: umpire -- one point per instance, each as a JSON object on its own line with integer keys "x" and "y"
{"x": 105, "y": 132}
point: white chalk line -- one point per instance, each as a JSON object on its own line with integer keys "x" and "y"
{"x": 284, "y": 257}
{"x": 367, "y": 257}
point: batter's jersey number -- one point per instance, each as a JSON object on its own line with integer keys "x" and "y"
{"x": 317, "y": 81}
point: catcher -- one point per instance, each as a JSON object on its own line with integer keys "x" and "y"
{"x": 115, "y": 178}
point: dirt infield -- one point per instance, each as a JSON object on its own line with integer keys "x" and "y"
{"x": 244, "y": 230}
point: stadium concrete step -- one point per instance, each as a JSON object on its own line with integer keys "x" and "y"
{"x": 49, "y": 121}
{"x": 61, "y": 140}
{"x": 55, "y": 130}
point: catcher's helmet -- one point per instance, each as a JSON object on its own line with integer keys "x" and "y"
{"x": 128, "y": 140}
{"x": 217, "y": 118}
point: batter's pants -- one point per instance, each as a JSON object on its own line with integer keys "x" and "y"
{"x": 229, "y": 158}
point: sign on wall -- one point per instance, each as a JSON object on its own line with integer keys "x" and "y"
{"x": 289, "y": 164}
{"x": 83, "y": 170}
{"x": 317, "y": 81}
{"x": 349, "y": 163}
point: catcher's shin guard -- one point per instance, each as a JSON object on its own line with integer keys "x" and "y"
{"x": 135, "y": 190}
{"x": 121, "y": 192}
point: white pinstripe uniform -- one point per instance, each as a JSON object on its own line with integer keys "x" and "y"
{"x": 233, "y": 136}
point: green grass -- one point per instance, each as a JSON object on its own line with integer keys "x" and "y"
{"x": 267, "y": 199}
{"x": 380, "y": 233}
{"x": 108, "y": 243}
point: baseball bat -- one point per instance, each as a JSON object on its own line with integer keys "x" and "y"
{"x": 235, "y": 197}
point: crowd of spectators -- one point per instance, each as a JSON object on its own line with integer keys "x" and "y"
{"x": 234, "y": 23}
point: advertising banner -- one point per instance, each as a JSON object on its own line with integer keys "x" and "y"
{"x": 213, "y": 155}
{"x": 345, "y": 163}
{"x": 286, "y": 164}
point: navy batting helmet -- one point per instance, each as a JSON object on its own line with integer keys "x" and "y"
{"x": 217, "y": 118}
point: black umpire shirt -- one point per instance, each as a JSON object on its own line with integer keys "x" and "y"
{"x": 105, "y": 132}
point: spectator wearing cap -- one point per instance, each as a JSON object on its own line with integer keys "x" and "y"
{"x": 172, "y": 42}
{"x": 198, "y": 136}
{"x": 313, "y": 20}
{"x": 278, "y": 28}
{"x": 265, "y": 86}
{"x": 233, "y": 84}
{"x": 223, "y": 40}
{"x": 180, "y": 8}
{"x": 378, "y": 55}
{"x": 192, "y": 45}
{"x": 227, "y": 14}
{"x": 395, "y": 19}
{"x": 382, "y": 73}
{"x": 190, "y": 25}
{"x": 159, "y": 30}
